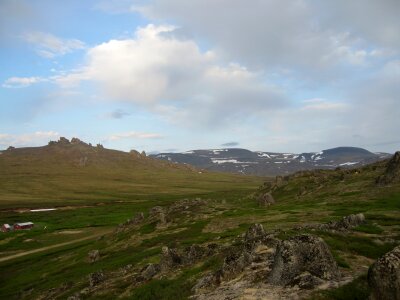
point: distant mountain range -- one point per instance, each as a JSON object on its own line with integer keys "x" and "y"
{"x": 235, "y": 160}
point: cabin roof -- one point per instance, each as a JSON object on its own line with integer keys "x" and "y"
{"x": 24, "y": 224}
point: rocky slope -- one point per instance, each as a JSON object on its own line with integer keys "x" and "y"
{"x": 270, "y": 164}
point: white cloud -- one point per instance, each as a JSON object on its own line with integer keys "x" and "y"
{"x": 270, "y": 33}
{"x": 133, "y": 135}
{"x": 50, "y": 46}
{"x": 173, "y": 77}
{"x": 21, "y": 82}
{"x": 29, "y": 139}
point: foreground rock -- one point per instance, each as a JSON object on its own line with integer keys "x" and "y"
{"x": 384, "y": 276}
{"x": 392, "y": 173}
{"x": 304, "y": 260}
{"x": 282, "y": 269}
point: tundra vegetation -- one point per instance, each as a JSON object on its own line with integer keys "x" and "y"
{"x": 129, "y": 227}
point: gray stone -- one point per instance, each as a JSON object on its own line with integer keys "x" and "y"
{"x": 169, "y": 258}
{"x": 392, "y": 172}
{"x": 300, "y": 254}
{"x": 266, "y": 199}
{"x": 347, "y": 222}
{"x": 234, "y": 263}
{"x": 96, "y": 278}
{"x": 384, "y": 276}
{"x": 255, "y": 231}
{"x": 150, "y": 271}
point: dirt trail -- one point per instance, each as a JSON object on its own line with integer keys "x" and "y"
{"x": 2, "y": 259}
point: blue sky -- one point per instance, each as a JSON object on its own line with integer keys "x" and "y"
{"x": 289, "y": 76}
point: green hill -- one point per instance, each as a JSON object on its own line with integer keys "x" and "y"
{"x": 76, "y": 172}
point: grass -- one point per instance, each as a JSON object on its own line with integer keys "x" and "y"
{"x": 369, "y": 228}
{"x": 114, "y": 187}
{"x": 364, "y": 246}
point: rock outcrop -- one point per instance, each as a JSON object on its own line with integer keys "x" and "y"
{"x": 392, "y": 172}
{"x": 266, "y": 199}
{"x": 157, "y": 213}
{"x": 149, "y": 271}
{"x": 96, "y": 278}
{"x": 344, "y": 224}
{"x": 255, "y": 231}
{"x": 384, "y": 276}
{"x": 170, "y": 258}
{"x": 304, "y": 260}
{"x": 347, "y": 222}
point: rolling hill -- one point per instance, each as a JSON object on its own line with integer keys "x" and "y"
{"x": 75, "y": 171}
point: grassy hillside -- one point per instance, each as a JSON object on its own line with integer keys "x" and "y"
{"x": 229, "y": 208}
{"x": 79, "y": 173}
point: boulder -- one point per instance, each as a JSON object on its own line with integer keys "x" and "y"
{"x": 193, "y": 254}
{"x": 255, "y": 231}
{"x": 94, "y": 256}
{"x": 384, "y": 276}
{"x": 306, "y": 281}
{"x": 347, "y": 222}
{"x": 96, "y": 278}
{"x": 234, "y": 263}
{"x": 266, "y": 199}
{"x": 303, "y": 260}
{"x": 392, "y": 172}
{"x": 170, "y": 258}
{"x": 158, "y": 213}
{"x": 150, "y": 271}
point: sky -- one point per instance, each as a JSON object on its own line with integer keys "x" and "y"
{"x": 176, "y": 75}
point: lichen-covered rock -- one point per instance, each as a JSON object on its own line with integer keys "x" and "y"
{"x": 301, "y": 254}
{"x": 255, "y": 231}
{"x": 266, "y": 199}
{"x": 169, "y": 258}
{"x": 94, "y": 256}
{"x": 392, "y": 172}
{"x": 96, "y": 278}
{"x": 193, "y": 253}
{"x": 347, "y": 222}
{"x": 158, "y": 213}
{"x": 384, "y": 276}
{"x": 150, "y": 271}
{"x": 234, "y": 263}
{"x": 306, "y": 281}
